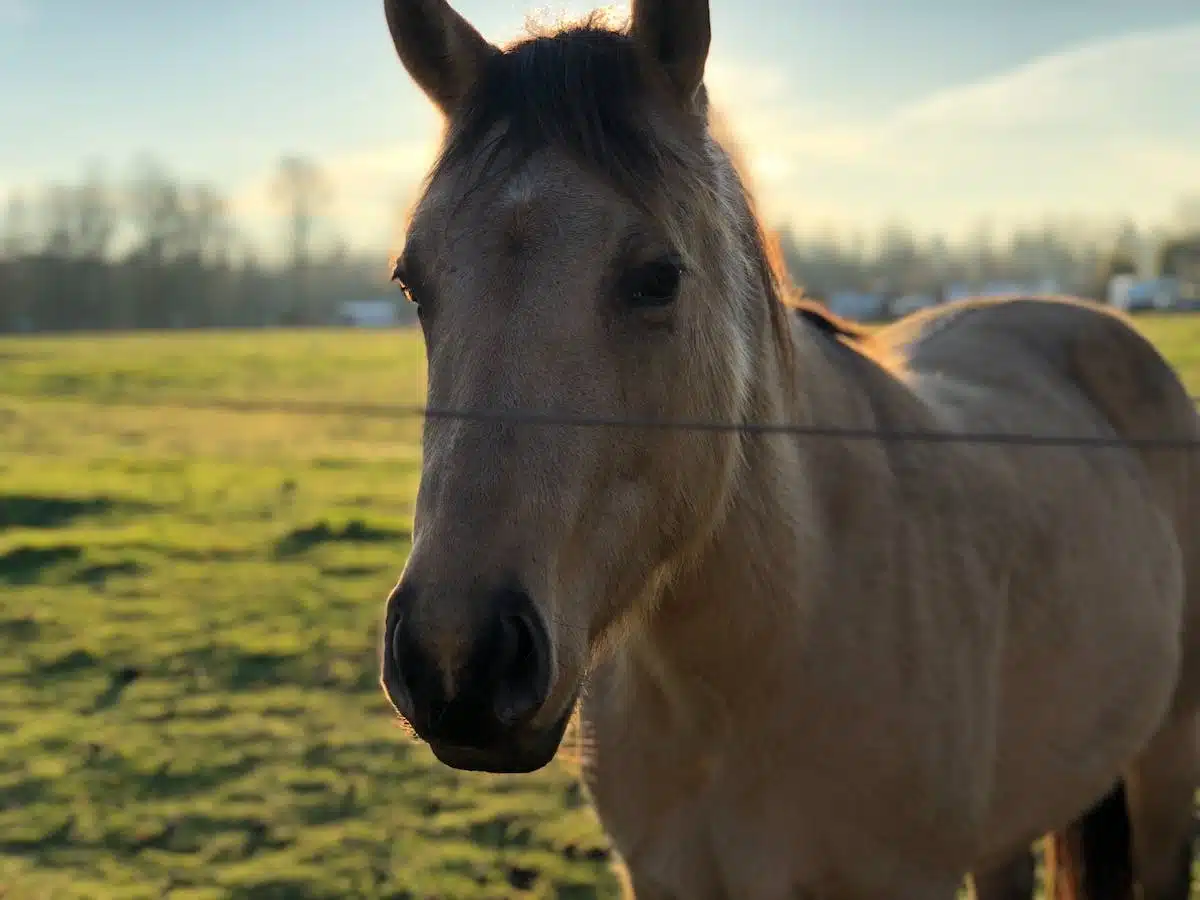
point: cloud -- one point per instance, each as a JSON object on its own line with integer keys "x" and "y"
{"x": 1094, "y": 129}
{"x": 1076, "y": 86}
{"x": 371, "y": 187}
{"x": 357, "y": 177}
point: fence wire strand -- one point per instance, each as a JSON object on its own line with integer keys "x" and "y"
{"x": 535, "y": 418}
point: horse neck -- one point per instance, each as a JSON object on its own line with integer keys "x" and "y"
{"x": 727, "y": 628}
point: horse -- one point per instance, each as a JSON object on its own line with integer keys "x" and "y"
{"x": 812, "y": 654}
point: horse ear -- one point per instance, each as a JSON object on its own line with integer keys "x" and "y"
{"x": 441, "y": 50}
{"x": 675, "y": 35}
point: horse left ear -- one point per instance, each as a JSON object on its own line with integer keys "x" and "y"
{"x": 675, "y": 35}
{"x": 441, "y": 50}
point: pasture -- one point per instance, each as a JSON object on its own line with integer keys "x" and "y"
{"x": 188, "y": 664}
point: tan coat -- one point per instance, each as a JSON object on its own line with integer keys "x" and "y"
{"x": 809, "y": 666}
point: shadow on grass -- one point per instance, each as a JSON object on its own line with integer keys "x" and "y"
{"x": 301, "y": 540}
{"x": 27, "y": 565}
{"x": 47, "y": 512}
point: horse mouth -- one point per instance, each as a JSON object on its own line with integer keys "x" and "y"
{"x": 518, "y": 753}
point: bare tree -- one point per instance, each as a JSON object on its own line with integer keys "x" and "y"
{"x": 94, "y": 217}
{"x": 15, "y": 247}
{"x": 898, "y": 260}
{"x": 1128, "y": 248}
{"x": 156, "y": 212}
{"x": 155, "y": 207}
{"x": 983, "y": 257}
{"x": 1187, "y": 215}
{"x": 15, "y": 238}
{"x": 205, "y": 232}
{"x": 302, "y": 192}
{"x": 55, "y": 213}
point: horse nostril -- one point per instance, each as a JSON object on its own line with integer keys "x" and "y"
{"x": 472, "y": 676}
{"x": 398, "y": 668}
{"x": 520, "y": 670}
{"x": 397, "y": 645}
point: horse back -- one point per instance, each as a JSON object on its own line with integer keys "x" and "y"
{"x": 1059, "y": 354}
{"x": 1064, "y": 364}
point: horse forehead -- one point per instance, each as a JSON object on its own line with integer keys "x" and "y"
{"x": 547, "y": 202}
{"x": 523, "y": 210}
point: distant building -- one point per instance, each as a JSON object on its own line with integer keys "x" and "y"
{"x": 368, "y": 314}
{"x": 1180, "y": 259}
{"x": 1119, "y": 288}
{"x": 863, "y": 307}
{"x": 960, "y": 291}
{"x": 1130, "y": 293}
{"x": 911, "y": 303}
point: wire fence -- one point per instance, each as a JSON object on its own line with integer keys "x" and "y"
{"x": 535, "y": 418}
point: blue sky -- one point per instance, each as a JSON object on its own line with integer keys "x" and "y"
{"x": 937, "y": 112}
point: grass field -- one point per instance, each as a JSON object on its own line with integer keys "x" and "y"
{"x": 191, "y": 598}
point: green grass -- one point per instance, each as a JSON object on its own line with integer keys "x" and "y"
{"x": 191, "y": 601}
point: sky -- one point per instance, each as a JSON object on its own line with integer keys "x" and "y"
{"x": 938, "y": 113}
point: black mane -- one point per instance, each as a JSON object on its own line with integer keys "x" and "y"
{"x": 828, "y": 322}
{"x": 583, "y": 90}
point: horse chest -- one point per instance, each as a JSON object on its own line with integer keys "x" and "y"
{"x": 696, "y": 819}
{"x": 720, "y": 836}
{"x": 686, "y": 835}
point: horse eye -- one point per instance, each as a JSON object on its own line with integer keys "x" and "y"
{"x": 399, "y": 277}
{"x": 655, "y": 284}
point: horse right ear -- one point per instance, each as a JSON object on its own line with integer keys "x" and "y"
{"x": 675, "y": 36}
{"x": 441, "y": 50}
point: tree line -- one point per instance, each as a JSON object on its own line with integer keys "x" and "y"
{"x": 1072, "y": 256}
{"x": 157, "y": 251}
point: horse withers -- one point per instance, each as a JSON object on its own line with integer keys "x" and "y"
{"x": 818, "y": 663}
